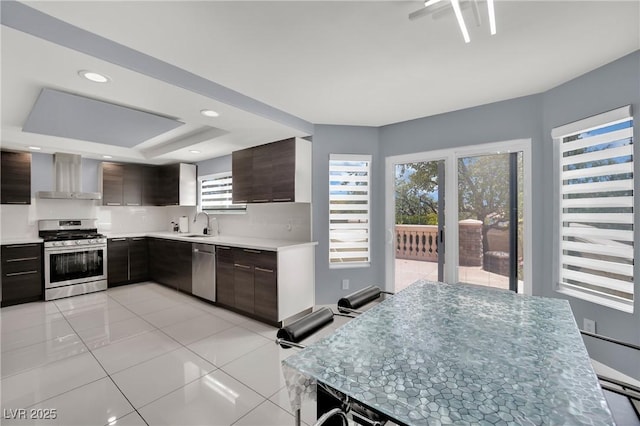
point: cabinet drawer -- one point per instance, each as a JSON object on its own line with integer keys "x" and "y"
{"x": 224, "y": 252}
{"x": 20, "y": 251}
{"x": 267, "y": 260}
{"x": 11, "y": 268}
{"x": 21, "y": 288}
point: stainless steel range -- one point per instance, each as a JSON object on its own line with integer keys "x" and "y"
{"x": 75, "y": 257}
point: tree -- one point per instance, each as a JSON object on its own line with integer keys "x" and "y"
{"x": 483, "y": 191}
{"x": 416, "y": 184}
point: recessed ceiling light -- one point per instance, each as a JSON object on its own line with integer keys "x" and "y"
{"x": 194, "y": 151}
{"x": 107, "y": 156}
{"x": 209, "y": 113}
{"x": 94, "y": 76}
{"x": 35, "y": 148}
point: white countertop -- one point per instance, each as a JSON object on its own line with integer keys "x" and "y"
{"x": 225, "y": 240}
{"x": 21, "y": 240}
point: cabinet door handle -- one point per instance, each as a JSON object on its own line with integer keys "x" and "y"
{"x": 259, "y": 201}
{"x": 138, "y": 238}
{"x": 22, "y": 259}
{"x": 131, "y": 204}
{"x": 114, "y": 204}
{"x": 252, "y": 251}
{"x": 118, "y": 239}
{"x": 237, "y": 265}
{"x": 282, "y": 199}
{"x": 264, "y": 270}
{"x": 240, "y": 201}
{"x": 14, "y": 274}
{"x": 224, "y": 248}
{"x": 16, "y": 202}
{"x": 21, "y": 245}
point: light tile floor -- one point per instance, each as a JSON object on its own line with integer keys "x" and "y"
{"x": 142, "y": 354}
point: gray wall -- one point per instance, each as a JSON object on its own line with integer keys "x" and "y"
{"x": 518, "y": 118}
{"x": 345, "y": 140}
{"x": 42, "y": 175}
{"x": 613, "y": 85}
{"x": 214, "y": 165}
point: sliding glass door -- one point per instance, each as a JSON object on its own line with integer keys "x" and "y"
{"x": 489, "y": 220}
{"x": 484, "y": 206}
{"x": 419, "y": 222}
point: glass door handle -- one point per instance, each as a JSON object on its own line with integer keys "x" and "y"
{"x": 389, "y": 238}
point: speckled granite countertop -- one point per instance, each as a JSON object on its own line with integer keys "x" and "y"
{"x": 455, "y": 354}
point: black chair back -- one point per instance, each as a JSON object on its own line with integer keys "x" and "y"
{"x": 359, "y": 298}
{"x": 304, "y": 327}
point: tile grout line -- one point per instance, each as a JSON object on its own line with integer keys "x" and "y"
{"x": 77, "y": 387}
{"x": 250, "y": 411}
{"x": 109, "y": 376}
{"x": 181, "y": 345}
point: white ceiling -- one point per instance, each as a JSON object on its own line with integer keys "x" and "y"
{"x": 331, "y": 62}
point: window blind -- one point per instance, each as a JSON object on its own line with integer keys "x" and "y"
{"x": 349, "y": 216}
{"x": 216, "y": 193}
{"x": 596, "y": 211}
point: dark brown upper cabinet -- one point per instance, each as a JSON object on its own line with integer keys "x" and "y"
{"x": 142, "y": 185}
{"x": 15, "y": 178}
{"x": 150, "y": 185}
{"x": 242, "y": 167}
{"x": 273, "y": 173}
{"x": 132, "y": 185}
{"x": 178, "y": 185}
{"x": 121, "y": 184}
{"x": 261, "y": 174}
{"x": 111, "y": 182}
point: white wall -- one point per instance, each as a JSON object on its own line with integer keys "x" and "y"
{"x": 283, "y": 221}
{"x": 22, "y": 221}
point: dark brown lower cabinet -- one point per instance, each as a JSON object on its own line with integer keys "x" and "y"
{"x": 117, "y": 261}
{"x": 243, "y": 283}
{"x": 138, "y": 259}
{"x": 225, "y": 293}
{"x": 266, "y": 292}
{"x": 21, "y": 273}
{"x": 170, "y": 263}
{"x": 247, "y": 281}
{"x": 127, "y": 261}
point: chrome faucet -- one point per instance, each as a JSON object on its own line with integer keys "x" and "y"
{"x": 208, "y": 230}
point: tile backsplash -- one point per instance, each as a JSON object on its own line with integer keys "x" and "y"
{"x": 285, "y": 221}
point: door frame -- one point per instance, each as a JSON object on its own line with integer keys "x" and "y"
{"x": 450, "y": 157}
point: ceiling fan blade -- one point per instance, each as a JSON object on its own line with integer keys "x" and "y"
{"x": 476, "y": 12}
{"x": 426, "y": 10}
{"x": 419, "y": 13}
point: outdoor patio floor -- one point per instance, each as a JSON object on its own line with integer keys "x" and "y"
{"x": 409, "y": 271}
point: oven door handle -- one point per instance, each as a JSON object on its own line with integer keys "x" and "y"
{"x": 73, "y": 249}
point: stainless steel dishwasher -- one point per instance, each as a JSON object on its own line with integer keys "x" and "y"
{"x": 204, "y": 271}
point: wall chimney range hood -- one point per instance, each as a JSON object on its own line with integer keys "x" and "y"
{"x": 68, "y": 180}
